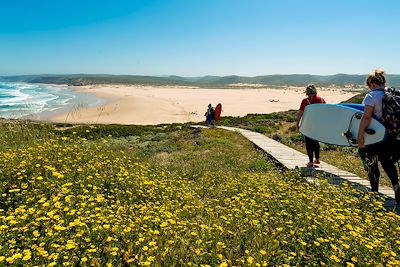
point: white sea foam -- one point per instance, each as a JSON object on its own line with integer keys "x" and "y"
{"x": 22, "y": 99}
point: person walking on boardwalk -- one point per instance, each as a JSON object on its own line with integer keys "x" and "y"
{"x": 312, "y": 146}
{"x": 210, "y": 115}
{"x": 385, "y": 152}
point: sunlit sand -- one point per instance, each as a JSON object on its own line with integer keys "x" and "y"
{"x": 145, "y": 105}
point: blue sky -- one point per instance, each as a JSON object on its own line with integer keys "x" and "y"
{"x": 199, "y": 37}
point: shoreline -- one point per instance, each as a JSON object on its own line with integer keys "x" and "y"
{"x": 152, "y": 105}
{"x": 81, "y": 100}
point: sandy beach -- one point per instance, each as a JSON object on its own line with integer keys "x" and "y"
{"x": 145, "y": 105}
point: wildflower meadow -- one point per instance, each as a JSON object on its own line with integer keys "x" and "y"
{"x": 166, "y": 196}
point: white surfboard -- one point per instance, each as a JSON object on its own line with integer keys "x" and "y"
{"x": 338, "y": 125}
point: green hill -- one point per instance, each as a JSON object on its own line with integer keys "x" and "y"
{"x": 205, "y": 81}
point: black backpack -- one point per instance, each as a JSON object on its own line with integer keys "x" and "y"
{"x": 391, "y": 111}
{"x": 212, "y": 113}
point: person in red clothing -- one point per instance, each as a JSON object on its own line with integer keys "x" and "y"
{"x": 312, "y": 146}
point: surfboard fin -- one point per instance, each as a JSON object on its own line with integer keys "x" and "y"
{"x": 370, "y": 131}
{"x": 358, "y": 115}
{"x": 349, "y": 136}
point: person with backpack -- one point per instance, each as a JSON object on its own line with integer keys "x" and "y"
{"x": 312, "y": 146}
{"x": 377, "y": 105}
{"x": 210, "y": 115}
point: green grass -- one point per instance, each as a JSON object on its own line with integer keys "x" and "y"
{"x": 281, "y": 127}
{"x": 170, "y": 195}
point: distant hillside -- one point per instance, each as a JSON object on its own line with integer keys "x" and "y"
{"x": 205, "y": 81}
{"x": 84, "y": 79}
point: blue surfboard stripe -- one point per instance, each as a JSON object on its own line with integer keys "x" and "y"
{"x": 352, "y": 105}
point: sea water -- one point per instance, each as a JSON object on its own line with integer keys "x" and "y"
{"x": 24, "y": 100}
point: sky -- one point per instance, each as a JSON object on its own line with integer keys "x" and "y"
{"x": 199, "y": 37}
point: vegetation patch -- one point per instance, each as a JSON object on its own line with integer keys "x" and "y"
{"x": 171, "y": 195}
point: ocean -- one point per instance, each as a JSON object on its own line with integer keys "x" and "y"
{"x": 24, "y": 100}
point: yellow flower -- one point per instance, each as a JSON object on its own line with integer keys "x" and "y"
{"x": 385, "y": 254}
{"x": 156, "y": 232}
{"x": 224, "y": 264}
{"x": 100, "y": 198}
{"x": 334, "y": 258}
{"x": 369, "y": 247}
{"x": 127, "y": 229}
{"x": 13, "y": 222}
{"x": 250, "y": 260}
{"x": 220, "y": 245}
{"x": 13, "y": 258}
{"x": 130, "y": 260}
{"x": 197, "y": 252}
{"x": 59, "y": 228}
{"x": 42, "y": 252}
{"x": 70, "y": 245}
{"x": 58, "y": 175}
{"x": 27, "y": 257}
{"x": 263, "y": 252}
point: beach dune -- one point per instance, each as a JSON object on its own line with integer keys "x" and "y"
{"x": 147, "y": 105}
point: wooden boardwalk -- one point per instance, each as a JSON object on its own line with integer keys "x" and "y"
{"x": 294, "y": 160}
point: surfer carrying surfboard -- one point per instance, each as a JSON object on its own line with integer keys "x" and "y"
{"x": 210, "y": 115}
{"x": 312, "y": 146}
{"x": 385, "y": 152}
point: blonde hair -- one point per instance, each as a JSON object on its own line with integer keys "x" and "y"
{"x": 376, "y": 77}
{"x": 311, "y": 90}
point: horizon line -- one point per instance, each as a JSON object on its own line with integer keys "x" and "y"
{"x": 175, "y": 75}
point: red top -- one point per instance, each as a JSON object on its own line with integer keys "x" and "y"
{"x": 311, "y": 100}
